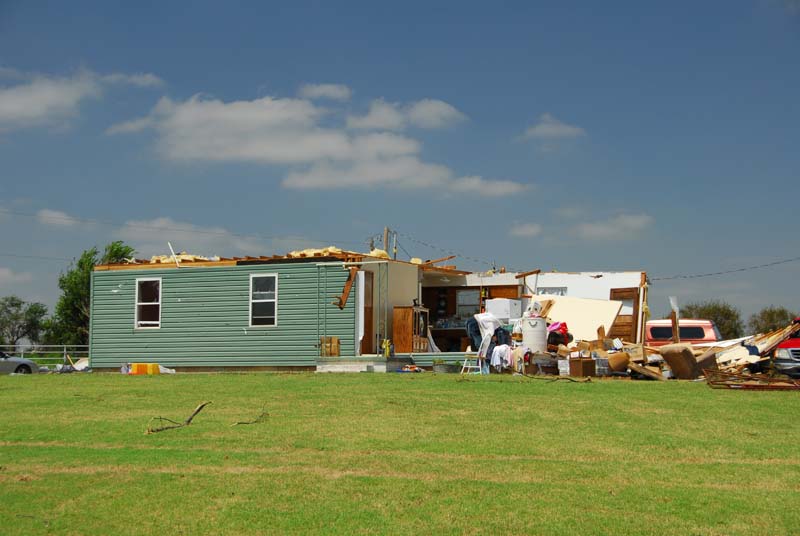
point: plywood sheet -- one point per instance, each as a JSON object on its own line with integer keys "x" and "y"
{"x": 583, "y": 316}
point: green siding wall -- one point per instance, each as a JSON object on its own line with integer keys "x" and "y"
{"x": 205, "y": 317}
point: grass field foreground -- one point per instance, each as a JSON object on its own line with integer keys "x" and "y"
{"x": 394, "y": 454}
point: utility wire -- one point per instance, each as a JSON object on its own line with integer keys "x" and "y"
{"x": 735, "y": 270}
{"x": 444, "y": 250}
{"x": 404, "y": 249}
{"x": 486, "y": 262}
{"x": 72, "y": 219}
{"x": 34, "y": 257}
{"x": 692, "y": 276}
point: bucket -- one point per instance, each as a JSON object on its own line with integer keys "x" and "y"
{"x": 534, "y": 334}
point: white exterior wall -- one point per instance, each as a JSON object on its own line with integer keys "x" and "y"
{"x": 588, "y": 285}
{"x": 404, "y": 287}
{"x": 583, "y": 284}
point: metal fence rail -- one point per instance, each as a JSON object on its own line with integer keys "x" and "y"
{"x": 48, "y": 354}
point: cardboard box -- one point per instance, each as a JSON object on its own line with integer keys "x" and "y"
{"x": 329, "y": 346}
{"x": 581, "y": 367}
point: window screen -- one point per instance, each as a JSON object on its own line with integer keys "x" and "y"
{"x": 263, "y": 300}
{"x": 148, "y": 303}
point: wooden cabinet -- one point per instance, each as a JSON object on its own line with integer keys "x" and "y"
{"x": 410, "y": 329}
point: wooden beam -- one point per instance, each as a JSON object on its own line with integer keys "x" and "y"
{"x": 341, "y": 301}
{"x": 526, "y": 274}
{"x": 428, "y": 263}
{"x": 676, "y": 331}
{"x": 646, "y": 372}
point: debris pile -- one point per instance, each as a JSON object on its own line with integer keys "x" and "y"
{"x": 725, "y": 364}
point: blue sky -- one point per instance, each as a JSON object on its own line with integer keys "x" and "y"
{"x": 562, "y": 135}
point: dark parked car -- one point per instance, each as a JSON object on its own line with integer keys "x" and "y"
{"x": 18, "y": 365}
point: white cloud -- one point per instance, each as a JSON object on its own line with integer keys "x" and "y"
{"x": 266, "y": 130}
{"x": 526, "y": 230}
{"x": 138, "y": 79}
{"x": 393, "y": 172}
{"x": 127, "y": 127}
{"x": 550, "y": 128}
{"x": 8, "y": 277}
{"x": 287, "y": 131}
{"x": 150, "y": 237}
{"x": 55, "y": 217}
{"x": 46, "y": 100}
{"x": 338, "y": 92}
{"x": 426, "y": 113}
{"x": 569, "y": 213}
{"x": 382, "y": 115}
{"x": 432, "y": 113}
{"x": 402, "y": 172}
{"x": 620, "y": 227}
{"x": 486, "y": 187}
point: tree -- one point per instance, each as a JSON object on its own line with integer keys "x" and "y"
{"x": 724, "y": 315}
{"x": 20, "y": 320}
{"x": 70, "y": 322}
{"x": 770, "y": 318}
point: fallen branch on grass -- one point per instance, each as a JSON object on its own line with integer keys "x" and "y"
{"x": 187, "y": 422}
{"x": 558, "y": 378}
{"x": 257, "y": 420}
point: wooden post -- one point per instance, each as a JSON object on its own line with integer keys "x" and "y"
{"x": 676, "y": 333}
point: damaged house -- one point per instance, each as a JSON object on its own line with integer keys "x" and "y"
{"x": 293, "y": 311}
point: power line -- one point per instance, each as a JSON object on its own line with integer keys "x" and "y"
{"x": 72, "y": 219}
{"x": 450, "y": 251}
{"x": 40, "y": 257}
{"x": 404, "y": 250}
{"x": 735, "y": 270}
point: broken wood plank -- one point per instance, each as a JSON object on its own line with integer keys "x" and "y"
{"x": 341, "y": 301}
{"x": 646, "y": 372}
{"x": 526, "y": 274}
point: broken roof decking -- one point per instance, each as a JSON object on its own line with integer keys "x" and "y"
{"x": 341, "y": 256}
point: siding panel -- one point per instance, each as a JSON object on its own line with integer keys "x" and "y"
{"x": 205, "y": 317}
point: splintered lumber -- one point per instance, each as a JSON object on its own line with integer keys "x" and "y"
{"x": 601, "y": 334}
{"x": 717, "y": 379}
{"x": 676, "y": 330}
{"x": 681, "y": 360}
{"x": 646, "y": 372}
{"x": 341, "y": 301}
{"x": 707, "y": 360}
{"x": 546, "y": 306}
{"x": 435, "y": 261}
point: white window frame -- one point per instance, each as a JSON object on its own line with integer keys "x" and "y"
{"x": 251, "y": 301}
{"x": 137, "y": 304}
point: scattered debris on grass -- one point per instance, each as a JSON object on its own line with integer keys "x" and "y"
{"x": 717, "y": 379}
{"x": 263, "y": 415}
{"x": 174, "y": 424}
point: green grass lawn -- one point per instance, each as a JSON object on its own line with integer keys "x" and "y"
{"x": 394, "y": 454}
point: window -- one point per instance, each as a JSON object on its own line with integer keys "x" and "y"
{"x": 468, "y": 303}
{"x": 263, "y": 300}
{"x": 148, "y": 303}
{"x": 663, "y": 333}
{"x": 551, "y": 291}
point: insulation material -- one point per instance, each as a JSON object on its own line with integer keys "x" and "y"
{"x": 583, "y": 316}
{"x": 323, "y": 252}
{"x": 182, "y": 257}
{"x": 379, "y": 253}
